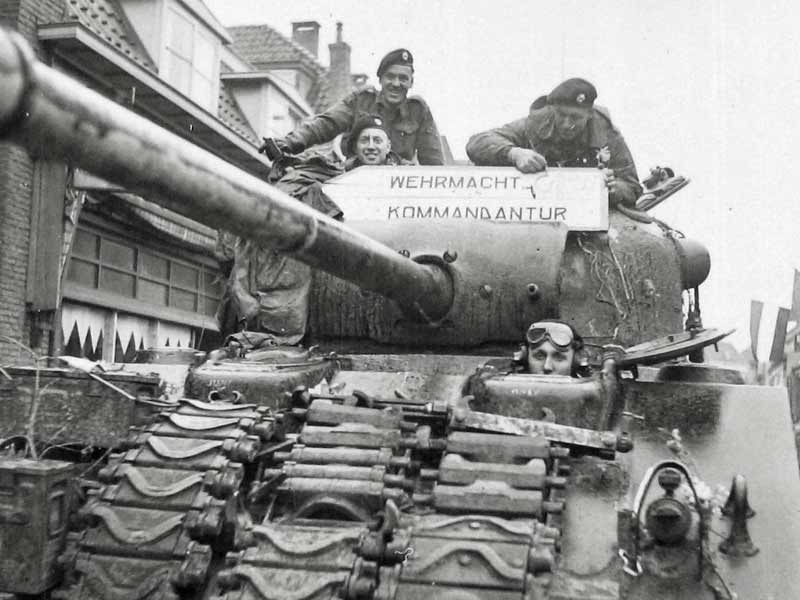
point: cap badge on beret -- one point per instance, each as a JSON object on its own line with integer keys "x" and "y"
{"x": 580, "y": 98}
{"x": 378, "y": 121}
{"x": 405, "y": 55}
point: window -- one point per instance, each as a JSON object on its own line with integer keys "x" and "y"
{"x": 190, "y": 58}
{"x": 128, "y": 269}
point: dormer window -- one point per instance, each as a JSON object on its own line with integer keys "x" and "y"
{"x": 191, "y": 57}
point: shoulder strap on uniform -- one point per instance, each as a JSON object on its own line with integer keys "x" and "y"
{"x": 418, "y": 100}
{"x": 603, "y": 112}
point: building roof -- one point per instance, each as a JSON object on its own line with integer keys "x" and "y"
{"x": 260, "y": 44}
{"x": 265, "y": 47}
{"x": 106, "y": 19}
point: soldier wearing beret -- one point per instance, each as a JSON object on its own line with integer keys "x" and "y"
{"x": 563, "y": 129}
{"x": 369, "y": 144}
{"x": 407, "y": 119}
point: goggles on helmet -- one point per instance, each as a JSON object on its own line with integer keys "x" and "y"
{"x": 559, "y": 334}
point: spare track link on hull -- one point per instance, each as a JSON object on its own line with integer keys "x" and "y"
{"x": 368, "y": 504}
{"x": 166, "y": 504}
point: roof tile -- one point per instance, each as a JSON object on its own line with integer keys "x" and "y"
{"x": 229, "y": 113}
{"x": 106, "y": 19}
{"x": 262, "y": 45}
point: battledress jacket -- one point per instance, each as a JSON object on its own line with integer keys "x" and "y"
{"x": 410, "y": 126}
{"x": 600, "y": 145}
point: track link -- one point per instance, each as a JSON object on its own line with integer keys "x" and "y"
{"x": 167, "y": 503}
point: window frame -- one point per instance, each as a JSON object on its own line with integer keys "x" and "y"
{"x": 206, "y": 270}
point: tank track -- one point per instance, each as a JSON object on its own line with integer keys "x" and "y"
{"x": 385, "y": 503}
{"x": 167, "y": 503}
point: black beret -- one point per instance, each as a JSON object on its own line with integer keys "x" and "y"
{"x": 362, "y": 123}
{"x": 401, "y": 56}
{"x": 573, "y": 92}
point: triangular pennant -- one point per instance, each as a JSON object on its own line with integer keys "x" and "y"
{"x": 98, "y": 350}
{"x": 756, "y": 308}
{"x": 779, "y": 337}
{"x": 130, "y": 349}
{"x": 796, "y": 296}
{"x": 73, "y": 346}
{"x": 88, "y": 346}
{"x": 119, "y": 353}
{"x": 174, "y": 335}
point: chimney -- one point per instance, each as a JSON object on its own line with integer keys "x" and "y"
{"x": 339, "y": 76}
{"x": 306, "y": 33}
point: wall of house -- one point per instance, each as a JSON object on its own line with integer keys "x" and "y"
{"x": 16, "y": 184}
{"x": 249, "y": 98}
{"x": 280, "y": 117}
{"x": 288, "y": 76}
{"x": 145, "y": 17}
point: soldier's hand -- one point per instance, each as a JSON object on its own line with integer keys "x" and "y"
{"x": 618, "y": 191}
{"x": 527, "y": 161}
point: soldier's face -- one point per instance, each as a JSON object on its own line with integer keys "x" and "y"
{"x": 395, "y": 83}
{"x": 372, "y": 146}
{"x": 546, "y": 359}
{"x": 570, "y": 121}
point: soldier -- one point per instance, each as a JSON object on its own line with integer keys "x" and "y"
{"x": 407, "y": 119}
{"x": 267, "y": 292}
{"x": 369, "y": 144}
{"x": 563, "y": 129}
{"x": 551, "y": 348}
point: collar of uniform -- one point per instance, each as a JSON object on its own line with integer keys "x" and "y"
{"x": 403, "y": 107}
{"x": 597, "y": 132}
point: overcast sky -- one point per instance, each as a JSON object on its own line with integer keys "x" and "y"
{"x": 709, "y": 88}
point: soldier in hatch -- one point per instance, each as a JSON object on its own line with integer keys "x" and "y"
{"x": 563, "y": 129}
{"x": 551, "y": 348}
{"x": 369, "y": 145}
{"x": 406, "y": 119}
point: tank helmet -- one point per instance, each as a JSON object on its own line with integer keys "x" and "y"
{"x": 575, "y": 92}
{"x": 560, "y": 334}
{"x": 362, "y": 123}
{"x": 401, "y": 56}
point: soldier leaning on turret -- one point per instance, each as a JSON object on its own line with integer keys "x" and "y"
{"x": 563, "y": 129}
{"x": 407, "y": 119}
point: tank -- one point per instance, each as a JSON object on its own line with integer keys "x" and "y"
{"x": 401, "y": 459}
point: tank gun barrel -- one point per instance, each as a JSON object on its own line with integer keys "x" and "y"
{"x": 53, "y": 116}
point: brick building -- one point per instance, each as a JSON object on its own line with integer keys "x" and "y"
{"x": 90, "y": 269}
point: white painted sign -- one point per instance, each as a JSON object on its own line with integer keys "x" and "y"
{"x": 575, "y": 197}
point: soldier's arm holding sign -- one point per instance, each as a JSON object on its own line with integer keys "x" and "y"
{"x": 620, "y": 170}
{"x": 495, "y": 147}
{"x": 563, "y": 129}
